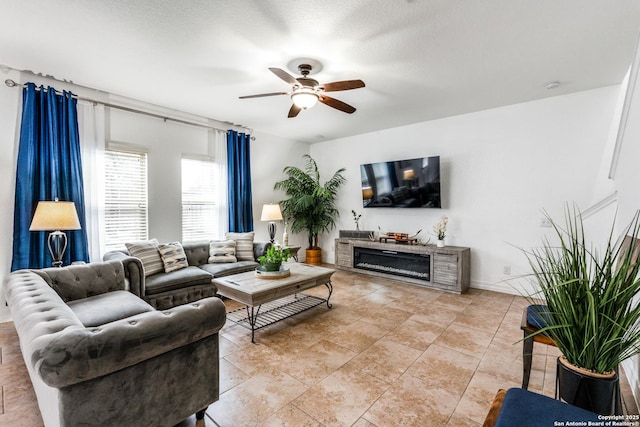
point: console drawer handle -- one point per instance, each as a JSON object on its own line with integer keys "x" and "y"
{"x": 390, "y": 252}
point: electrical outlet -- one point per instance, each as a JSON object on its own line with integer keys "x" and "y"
{"x": 545, "y": 222}
{"x": 506, "y": 270}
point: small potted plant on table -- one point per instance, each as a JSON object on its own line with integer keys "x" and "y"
{"x": 274, "y": 257}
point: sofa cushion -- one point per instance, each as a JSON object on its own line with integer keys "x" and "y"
{"x": 147, "y": 252}
{"x": 222, "y": 251}
{"x": 104, "y": 308}
{"x": 222, "y": 269}
{"x": 189, "y": 276}
{"x": 197, "y": 252}
{"x": 244, "y": 245}
{"x": 173, "y": 256}
{"x": 528, "y": 409}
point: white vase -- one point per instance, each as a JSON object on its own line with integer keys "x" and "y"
{"x": 440, "y": 243}
{"x": 285, "y": 238}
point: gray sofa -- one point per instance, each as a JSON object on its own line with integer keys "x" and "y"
{"x": 165, "y": 290}
{"x": 97, "y": 354}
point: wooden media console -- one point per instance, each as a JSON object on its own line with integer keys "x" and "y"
{"x": 445, "y": 268}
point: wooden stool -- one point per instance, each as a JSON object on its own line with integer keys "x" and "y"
{"x": 532, "y": 321}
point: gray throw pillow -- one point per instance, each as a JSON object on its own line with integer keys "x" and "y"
{"x": 244, "y": 245}
{"x": 147, "y": 252}
{"x": 222, "y": 251}
{"x": 173, "y": 256}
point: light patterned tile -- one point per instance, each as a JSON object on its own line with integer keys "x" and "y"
{"x": 290, "y": 416}
{"x": 386, "y": 359}
{"x": 465, "y": 340}
{"x": 342, "y": 397}
{"x": 256, "y": 399}
{"x": 444, "y": 368}
{"x": 311, "y": 364}
{"x": 230, "y": 376}
{"x": 386, "y": 318}
{"x": 411, "y": 402}
{"x": 479, "y": 395}
{"x": 415, "y": 334}
{"x": 358, "y": 336}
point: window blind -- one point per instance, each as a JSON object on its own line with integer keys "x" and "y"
{"x": 199, "y": 210}
{"x": 125, "y": 198}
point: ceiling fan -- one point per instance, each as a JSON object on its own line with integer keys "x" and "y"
{"x": 306, "y": 92}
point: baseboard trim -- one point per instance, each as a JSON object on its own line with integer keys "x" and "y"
{"x": 502, "y": 287}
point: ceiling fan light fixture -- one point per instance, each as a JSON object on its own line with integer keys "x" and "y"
{"x": 304, "y": 98}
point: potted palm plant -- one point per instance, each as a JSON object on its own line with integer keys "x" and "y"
{"x": 590, "y": 308}
{"x": 311, "y": 205}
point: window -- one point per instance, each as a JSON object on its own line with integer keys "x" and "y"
{"x": 199, "y": 210}
{"x": 125, "y": 207}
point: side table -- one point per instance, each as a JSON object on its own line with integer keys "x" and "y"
{"x": 294, "y": 251}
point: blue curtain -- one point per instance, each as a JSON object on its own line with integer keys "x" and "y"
{"x": 239, "y": 182}
{"x": 49, "y": 166}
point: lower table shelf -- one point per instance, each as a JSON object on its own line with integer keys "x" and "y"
{"x": 254, "y": 318}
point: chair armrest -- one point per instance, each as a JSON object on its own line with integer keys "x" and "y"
{"x": 133, "y": 271}
{"x": 260, "y": 249}
{"x": 81, "y": 354}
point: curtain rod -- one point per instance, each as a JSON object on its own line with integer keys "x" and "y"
{"x": 12, "y": 83}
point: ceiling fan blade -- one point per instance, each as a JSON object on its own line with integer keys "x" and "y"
{"x": 284, "y": 75}
{"x": 294, "y": 111}
{"x": 338, "y": 105}
{"x": 342, "y": 85}
{"x": 263, "y": 94}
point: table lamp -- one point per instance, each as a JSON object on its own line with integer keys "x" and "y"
{"x": 271, "y": 213}
{"x": 55, "y": 216}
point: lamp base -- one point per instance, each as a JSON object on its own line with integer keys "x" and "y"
{"x": 271, "y": 227}
{"x": 57, "y": 244}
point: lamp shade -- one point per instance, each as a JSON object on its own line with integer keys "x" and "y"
{"x": 304, "y": 98}
{"x": 271, "y": 212}
{"x": 408, "y": 174}
{"x": 55, "y": 216}
{"x": 367, "y": 193}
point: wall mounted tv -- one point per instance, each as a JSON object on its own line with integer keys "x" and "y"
{"x": 413, "y": 183}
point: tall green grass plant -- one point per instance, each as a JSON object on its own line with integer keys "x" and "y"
{"x": 591, "y": 294}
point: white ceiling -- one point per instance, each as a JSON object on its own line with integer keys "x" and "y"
{"x": 420, "y": 59}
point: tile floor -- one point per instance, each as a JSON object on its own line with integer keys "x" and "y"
{"x": 387, "y": 354}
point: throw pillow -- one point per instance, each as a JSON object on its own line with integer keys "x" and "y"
{"x": 147, "y": 252}
{"x": 173, "y": 256}
{"x": 244, "y": 245}
{"x": 222, "y": 251}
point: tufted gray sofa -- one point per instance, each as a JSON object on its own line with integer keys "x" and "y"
{"x": 165, "y": 290}
{"x": 97, "y": 354}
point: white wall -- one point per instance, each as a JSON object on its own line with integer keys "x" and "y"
{"x": 269, "y": 155}
{"x": 499, "y": 168}
{"x": 626, "y": 175}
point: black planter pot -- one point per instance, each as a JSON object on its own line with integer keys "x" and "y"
{"x": 595, "y": 394}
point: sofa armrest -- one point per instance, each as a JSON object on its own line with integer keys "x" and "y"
{"x": 133, "y": 271}
{"x": 82, "y": 354}
{"x": 260, "y": 249}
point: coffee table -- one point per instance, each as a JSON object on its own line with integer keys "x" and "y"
{"x": 277, "y": 298}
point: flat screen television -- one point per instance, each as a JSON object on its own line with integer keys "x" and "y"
{"x": 412, "y": 183}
